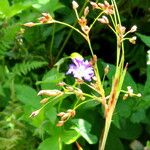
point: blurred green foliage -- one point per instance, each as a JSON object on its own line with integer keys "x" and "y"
{"x": 27, "y": 58}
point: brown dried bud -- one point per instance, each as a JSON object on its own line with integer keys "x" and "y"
{"x": 70, "y": 88}
{"x": 101, "y": 5}
{"x": 75, "y": 5}
{"x": 61, "y": 114}
{"x": 103, "y": 20}
{"x": 61, "y": 84}
{"x": 29, "y": 24}
{"x": 71, "y": 112}
{"x": 43, "y": 101}
{"x": 46, "y": 18}
{"x": 50, "y": 92}
{"x": 133, "y": 40}
{"x": 85, "y": 29}
{"x": 94, "y": 5}
{"x": 65, "y": 116}
{"x": 60, "y": 123}
{"x": 35, "y": 113}
{"x": 86, "y": 11}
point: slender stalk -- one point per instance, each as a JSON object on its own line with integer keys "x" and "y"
{"x": 69, "y": 34}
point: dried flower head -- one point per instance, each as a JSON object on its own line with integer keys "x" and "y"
{"x": 82, "y": 21}
{"x": 46, "y": 18}
{"x": 106, "y": 7}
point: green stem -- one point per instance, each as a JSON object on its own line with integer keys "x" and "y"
{"x": 95, "y": 20}
{"x": 51, "y": 45}
{"x": 68, "y": 36}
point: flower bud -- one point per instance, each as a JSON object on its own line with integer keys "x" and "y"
{"x": 71, "y": 112}
{"x": 65, "y": 116}
{"x": 133, "y": 40}
{"x": 61, "y": 84}
{"x": 29, "y": 24}
{"x": 75, "y": 5}
{"x": 43, "y": 101}
{"x": 60, "y": 123}
{"x": 103, "y": 20}
{"x": 85, "y": 29}
{"x": 61, "y": 114}
{"x": 94, "y": 5}
{"x": 106, "y": 70}
{"x": 139, "y": 95}
{"x": 86, "y": 11}
{"x": 50, "y": 92}
{"x": 133, "y": 29}
{"x": 35, "y": 113}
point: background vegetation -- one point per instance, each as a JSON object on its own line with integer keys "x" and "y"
{"x": 27, "y": 64}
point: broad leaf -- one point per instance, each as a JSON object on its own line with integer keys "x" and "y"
{"x": 83, "y": 128}
{"x": 27, "y": 95}
{"x": 145, "y": 39}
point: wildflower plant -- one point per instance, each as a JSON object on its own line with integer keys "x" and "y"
{"x": 86, "y": 72}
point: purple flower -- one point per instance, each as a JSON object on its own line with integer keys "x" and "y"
{"x": 81, "y": 69}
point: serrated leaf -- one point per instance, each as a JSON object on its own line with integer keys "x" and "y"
{"x": 83, "y": 128}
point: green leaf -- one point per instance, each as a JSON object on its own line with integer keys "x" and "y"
{"x": 27, "y": 95}
{"x": 145, "y": 39}
{"x": 50, "y": 143}
{"x": 138, "y": 116}
{"x": 51, "y": 113}
{"x": 113, "y": 143}
{"x": 83, "y": 128}
{"x": 48, "y": 6}
{"x": 51, "y": 79}
{"x": 128, "y": 130}
{"x": 70, "y": 136}
{"x": 4, "y": 7}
